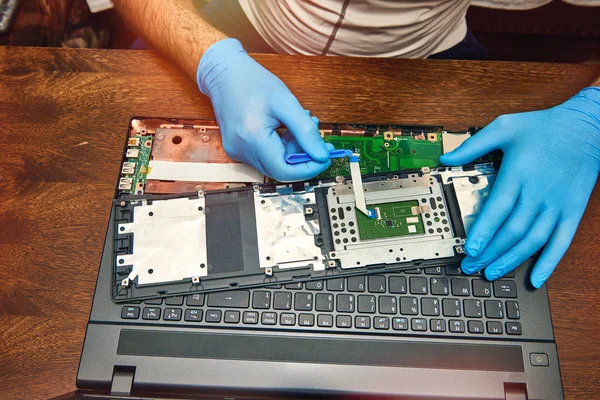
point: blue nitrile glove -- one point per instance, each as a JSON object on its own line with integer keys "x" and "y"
{"x": 250, "y": 103}
{"x": 550, "y": 166}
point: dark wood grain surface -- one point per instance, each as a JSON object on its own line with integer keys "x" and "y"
{"x": 63, "y": 117}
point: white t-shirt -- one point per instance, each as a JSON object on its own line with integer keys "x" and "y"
{"x": 377, "y": 28}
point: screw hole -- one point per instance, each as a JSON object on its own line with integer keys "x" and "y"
{"x": 176, "y": 139}
{"x": 150, "y": 213}
{"x": 268, "y": 258}
{"x": 150, "y": 271}
{"x": 391, "y": 251}
{"x": 122, "y": 228}
{"x": 202, "y": 265}
{"x": 121, "y": 261}
{"x": 200, "y": 208}
{"x": 262, "y": 202}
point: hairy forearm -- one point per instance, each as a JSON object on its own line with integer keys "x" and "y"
{"x": 175, "y": 29}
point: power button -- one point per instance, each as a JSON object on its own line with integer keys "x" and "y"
{"x": 538, "y": 359}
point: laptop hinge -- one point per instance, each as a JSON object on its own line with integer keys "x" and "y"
{"x": 122, "y": 380}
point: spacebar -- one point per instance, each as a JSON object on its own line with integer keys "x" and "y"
{"x": 233, "y": 298}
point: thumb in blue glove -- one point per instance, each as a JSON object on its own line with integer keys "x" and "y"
{"x": 549, "y": 169}
{"x": 250, "y": 103}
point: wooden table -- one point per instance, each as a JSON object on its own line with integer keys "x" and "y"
{"x": 64, "y": 115}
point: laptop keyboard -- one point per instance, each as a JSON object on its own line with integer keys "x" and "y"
{"x": 438, "y": 300}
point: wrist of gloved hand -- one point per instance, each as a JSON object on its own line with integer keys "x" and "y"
{"x": 215, "y": 60}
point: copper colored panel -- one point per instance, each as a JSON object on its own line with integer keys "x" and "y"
{"x": 191, "y": 145}
{"x": 162, "y": 187}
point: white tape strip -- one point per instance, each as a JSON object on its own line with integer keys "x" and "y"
{"x": 203, "y": 172}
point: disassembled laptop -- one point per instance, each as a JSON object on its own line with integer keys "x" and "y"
{"x": 188, "y": 219}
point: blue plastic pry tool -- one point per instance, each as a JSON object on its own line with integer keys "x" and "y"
{"x": 297, "y": 158}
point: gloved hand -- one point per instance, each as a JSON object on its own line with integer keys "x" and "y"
{"x": 549, "y": 169}
{"x": 250, "y": 103}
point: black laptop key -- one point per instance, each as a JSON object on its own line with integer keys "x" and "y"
{"x": 397, "y": 284}
{"x": 231, "y": 298}
{"x": 314, "y": 285}
{"x": 303, "y": 301}
{"x": 493, "y": 309}
{"x": 433, "y": 271}
{"x": 343, "y": 321}
{"x": 460, "y": 287}
{"x": 414, "y": 271}
{"x": 475, "y": 326}
{"x": 356, "y": 283}
{"x": 213, "y": 316}
{"x": 269, "y": 318}
{"x": 505, "y": 289}
{"x": 388, "y": 305}
{"x": 324, "y": 302}
{"x": 381, "y": 323}
{"x": 453, "y": 270}
{"x": 335, "y": 285}
{"x": 151, "y": 313}
{"x": 193, "y": 315}
{"x": 418, "y": 285}
{"x": 306, "y": 320}
{"x": 473, "y": 309}
{"x": 437, "y": 325}
{"x": 282, "y": 301}
{"x": 513, "y": 328}
{"x": 439, "y": 286}
{"x": 430, "y": 306}
{"x": 451, "y": 307}
{"x": 287, "y": 319}
{"x": 261, "y": 300}
{"x": 494, "y": 327}
{"x": 419, "y": 324}
{"x": 275, "y": 286}
{"x": 232, "y": 317}
{"x": 195, "y": 300}
{"x": 362, "y": 322}
{"x": 325, "y": 320}
{"x": 172, "y": 314}
{"x": 293, "y": 286}
{"x": 174, "y": 301}
{"x": 130, "y": 312}
{"x": 409, "y": 306}
{"x": 376, "y": 283}
{"x": 481, "y": 288}
{"x": 250, "y": 317}
{"x": 512, "y": 310}
{"x": 345, "y": 303}
{"x": 400, "y": 324}
{"x": 456, "y": 326}
{"x": 154, "y": 302}
{"x": 367, "y": 304}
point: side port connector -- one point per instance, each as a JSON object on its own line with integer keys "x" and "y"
{"x": 133, "y": 153}
{"x": 128, "y": 168}
{"x": 125, "y": 183}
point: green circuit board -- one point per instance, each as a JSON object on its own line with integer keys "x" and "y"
{"x": 135, "y": 168}
{"x": 380, "y": 155}
{"x": 393, "y": 220}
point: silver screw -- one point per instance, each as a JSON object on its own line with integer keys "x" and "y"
{"x": 205, "y": 138}
{"x": 160, "y": 136}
